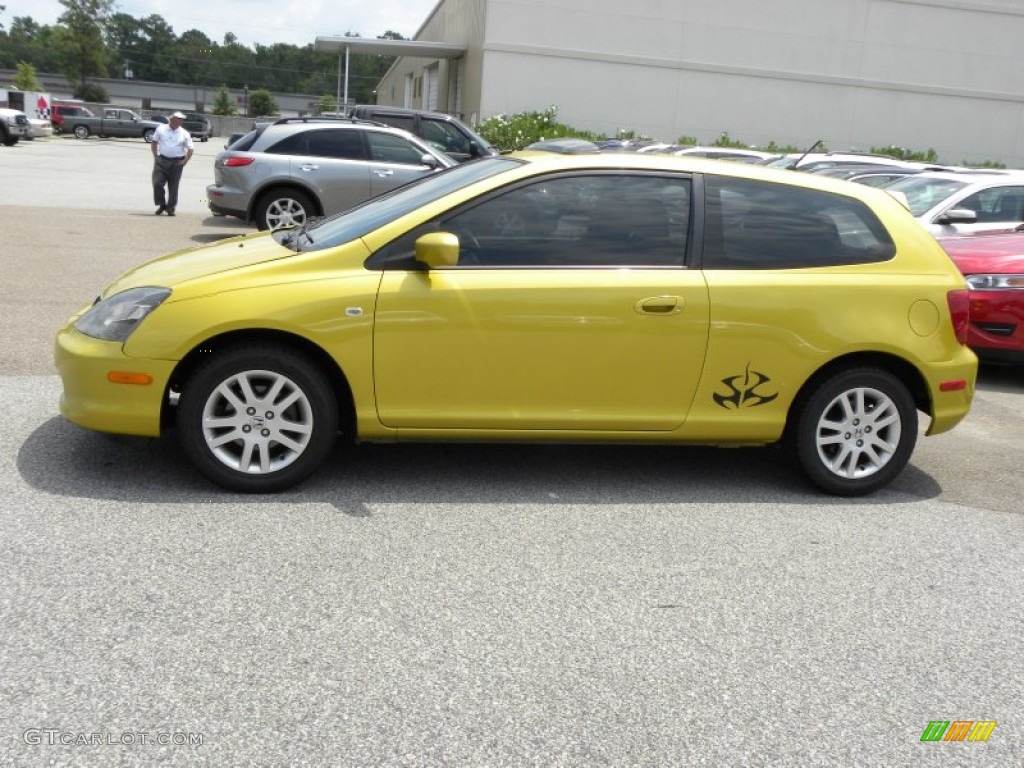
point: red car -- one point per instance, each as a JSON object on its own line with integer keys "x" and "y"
{"x": 994, "y": 267}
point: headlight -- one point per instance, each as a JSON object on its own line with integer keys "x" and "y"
{"x": 115, "y": 318}
{"x": 995, "y": 282}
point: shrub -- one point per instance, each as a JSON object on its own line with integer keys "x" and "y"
{"x": 510, "y": 132}
{"x": 902, "y": 153}
{"x": 97, "y": 94}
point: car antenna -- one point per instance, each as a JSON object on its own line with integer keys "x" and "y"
{"x": 813, "y": 147}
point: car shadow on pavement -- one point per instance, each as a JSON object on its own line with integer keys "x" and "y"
{"x": 62, "y": 459}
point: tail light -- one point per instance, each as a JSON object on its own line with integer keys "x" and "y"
{"x": 960, "y": 313}
{"x": 235, "y": 162}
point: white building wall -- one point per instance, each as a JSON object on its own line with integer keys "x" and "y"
{"x": 942, "y": 74}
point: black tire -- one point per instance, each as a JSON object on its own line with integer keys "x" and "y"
{"x": 81, "y": 132}
{"x": 248, "y": 450}
{"x": 856, "y": 431}
{"x": 6, "y": 138}
{"x": 283, "y": 208}
{"x": 147, "y": 135}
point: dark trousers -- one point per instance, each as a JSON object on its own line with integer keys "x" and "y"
{"x": 167, "y": 171}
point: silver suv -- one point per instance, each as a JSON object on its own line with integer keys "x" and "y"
{"x": 296, "y": 168}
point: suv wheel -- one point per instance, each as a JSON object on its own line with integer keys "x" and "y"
{"x": 856, "y": 431}
{"x": 147, "y": 136}
{"x": 81, "y": 132}
{"x": 283, "y": 208}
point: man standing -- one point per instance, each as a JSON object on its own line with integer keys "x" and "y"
{"x": 172, "y": 149}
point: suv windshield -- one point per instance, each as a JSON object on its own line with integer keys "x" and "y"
{"x": 366, "y": 217}
{"x": 921, "y": 193}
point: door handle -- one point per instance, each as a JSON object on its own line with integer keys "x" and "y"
{"x": 383, "y": 173}
{"x": 309, "y": 167}
{"x": 660, "y": 305}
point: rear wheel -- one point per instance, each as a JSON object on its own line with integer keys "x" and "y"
{"x": 257, "y": 419}
{"x": 147, "y": 135}
{"x": 856, "y": 431}
{"x": 81, "y": 132}
{"x": 283, "y": 208}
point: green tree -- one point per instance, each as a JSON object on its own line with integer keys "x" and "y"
{"x": 327, "y": 105}
{"x": 261, "y": 102}
{"x": 83, "y": 51}
{"x": 223, "y": 104}
{"x": 25, "y": 78}
{"x": 92, "y": 92}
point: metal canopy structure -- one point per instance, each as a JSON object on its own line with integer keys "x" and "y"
{"x": 383, "y": 47}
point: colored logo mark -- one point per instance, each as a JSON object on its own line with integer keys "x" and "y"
{"x": 958, "y": 730}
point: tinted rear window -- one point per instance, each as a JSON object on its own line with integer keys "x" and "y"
{"x": 762, "y": 225}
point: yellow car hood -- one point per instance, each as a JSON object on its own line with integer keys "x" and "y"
{"x": 194, "y": 263}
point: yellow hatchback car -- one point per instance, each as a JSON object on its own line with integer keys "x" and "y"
{"x": 543, "y": 296}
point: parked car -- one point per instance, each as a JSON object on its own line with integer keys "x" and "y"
{"x": 39, "y": 128}
{"x": 994, "y": 267}
{"x": 115, "y": 122}
{"x": 726, "y": 153}
{"x": 198, "y": 126}
{"x": 951, "y": 203}
{"x": 60, "y": 111}
{"x": 444, "y": 132}
{"x": 283, "y": 173}
{"x": 677, "y": 300}
{"x": 14, "y": 126}
{"x": 812, "y": 161}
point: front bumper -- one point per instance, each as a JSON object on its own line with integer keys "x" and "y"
{"x": 91, "y": 400}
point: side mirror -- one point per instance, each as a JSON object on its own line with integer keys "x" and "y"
{"x": 438, "y": 250}
{"x": 957, "y": 216}
{"x": 429, "y": 160}
{"x": 474, "y": 149}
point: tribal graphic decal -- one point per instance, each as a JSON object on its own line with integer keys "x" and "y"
{"x": 743, "y": 392}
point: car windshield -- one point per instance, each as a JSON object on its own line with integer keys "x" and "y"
{"x": 374, "y": 213}
{"x": 921, "y": 194}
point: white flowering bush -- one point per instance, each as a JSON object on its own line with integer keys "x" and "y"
{"x": 511, "y": 132}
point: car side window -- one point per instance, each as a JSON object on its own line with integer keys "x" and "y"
{"x": 388, "y": 148}
{"x": 764, "y": 225}
{"x": 591, "y": 220}
{"x": 996, "y": 204}
{"x": 296, "y": 144}
{"x": 343, "y": 145}
{"x": 444, "y": 135}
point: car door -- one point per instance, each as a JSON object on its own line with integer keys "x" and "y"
{"x": 583, "y": 318}
{"x": 332, "y": 162}
{"x": 394, "y": 161}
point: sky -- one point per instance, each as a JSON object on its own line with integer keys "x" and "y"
{"x": 258, "y": 21}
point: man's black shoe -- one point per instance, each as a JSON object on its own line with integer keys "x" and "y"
{"x": 160, "y": 210}
{"x": 170, "y": 211}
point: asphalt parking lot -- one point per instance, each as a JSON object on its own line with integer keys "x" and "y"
{"x": 485, "y": 606}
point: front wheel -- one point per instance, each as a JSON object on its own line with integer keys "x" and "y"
{"x": 283, "y": 208}
{"x": 81, "y": 132}
{"x": 856, "y": 431}
{"x": 257, "y": 419}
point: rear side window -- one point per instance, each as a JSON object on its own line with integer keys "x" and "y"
{"x": 339, "y": 144}
{"x": 762, "y": 225}
{"x": 405, "y": 122}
